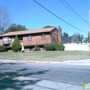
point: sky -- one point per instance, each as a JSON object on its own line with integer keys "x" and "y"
{"x": 33, "y": 16}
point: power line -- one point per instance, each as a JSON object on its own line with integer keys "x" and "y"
{"x": 75, "y": 12}
{"x": 71, "y": 9}
{"x": 58, "y": 16}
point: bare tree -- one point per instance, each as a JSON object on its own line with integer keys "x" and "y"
{"x": 4, "y": 19}
{"x": 78, "y": 38}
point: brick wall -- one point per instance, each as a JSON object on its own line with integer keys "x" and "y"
{"x": 36, "y": 39}
{"x": 1, "y": 42}
{"x": 59, "y": 35}
{"x": 54, "y": 38}
{"x": 12, "y": 40}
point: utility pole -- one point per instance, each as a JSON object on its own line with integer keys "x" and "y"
{"x": 89, "y": 33}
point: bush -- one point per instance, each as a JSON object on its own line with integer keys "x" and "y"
{"x": 54, "y": 47}
{"x": 36, "y": 48}
{"x": 2, "y": 48}
{"x": 49, "y": 47}
{"x": 59, "y": 47}
{"x": 16, "y": 46}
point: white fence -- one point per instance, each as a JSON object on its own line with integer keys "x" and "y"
{"x": 79, "y": 47}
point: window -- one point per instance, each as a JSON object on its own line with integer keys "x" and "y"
{"x": 29, "y": 37}
{"x": 43, "y": 36}
{"x": 20, "y": 38}
{"x": 31, "y": 49}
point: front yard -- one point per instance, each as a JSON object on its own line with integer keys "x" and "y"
{"x": 45, "y": 55}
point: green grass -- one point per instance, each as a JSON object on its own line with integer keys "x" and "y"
{"x": 45, "y": 55}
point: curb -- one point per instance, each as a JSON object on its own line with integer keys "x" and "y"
{"x": 26, "y": 61}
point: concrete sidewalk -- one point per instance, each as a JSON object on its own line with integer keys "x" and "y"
{"x": 77, "y": 62}
{"x": 47, "y": 85}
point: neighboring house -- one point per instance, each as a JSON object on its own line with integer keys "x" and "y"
{"x": 29, "y": 38}
{"x": 67, "y": 40}
{"x": 86, "y": 40}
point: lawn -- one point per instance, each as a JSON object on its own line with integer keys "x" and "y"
{"x": 45, "y": 55}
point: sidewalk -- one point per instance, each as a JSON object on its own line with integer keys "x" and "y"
{"x": 48, "y": 85}
{"x": 77, "y": 62}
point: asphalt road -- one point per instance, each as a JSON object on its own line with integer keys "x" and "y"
{"x": 70, "y": 74}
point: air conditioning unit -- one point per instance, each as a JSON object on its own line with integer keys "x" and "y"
{"x": 6, "y": 40}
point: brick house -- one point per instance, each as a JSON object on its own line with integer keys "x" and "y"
{"x": 29, "y": 38}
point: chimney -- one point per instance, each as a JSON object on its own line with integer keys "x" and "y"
{"x": 59, "y": 35}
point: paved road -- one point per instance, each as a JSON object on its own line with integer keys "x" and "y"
{"x": 12, "y": 75}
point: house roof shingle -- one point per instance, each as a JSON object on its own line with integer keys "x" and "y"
{"x": 28, "y": 32}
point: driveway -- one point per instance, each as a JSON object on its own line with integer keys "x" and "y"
{"x": 40, "y": 76}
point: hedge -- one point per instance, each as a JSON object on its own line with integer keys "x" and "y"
{"x": 49, "y": 47}
{"x": 54, "y": 47}
{"x": 59, "y": 47}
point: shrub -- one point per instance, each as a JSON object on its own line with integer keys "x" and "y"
{"x": 2, "y": 48}
{"x": 54, "y": 47}
{"x": 59, "y": 47}
{"x": 36, "y": 48}
{"x": 16, "y": 46}
{"x": 49, "y": 47}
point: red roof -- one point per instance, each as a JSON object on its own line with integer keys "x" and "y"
{"x": 28, "y": 32}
